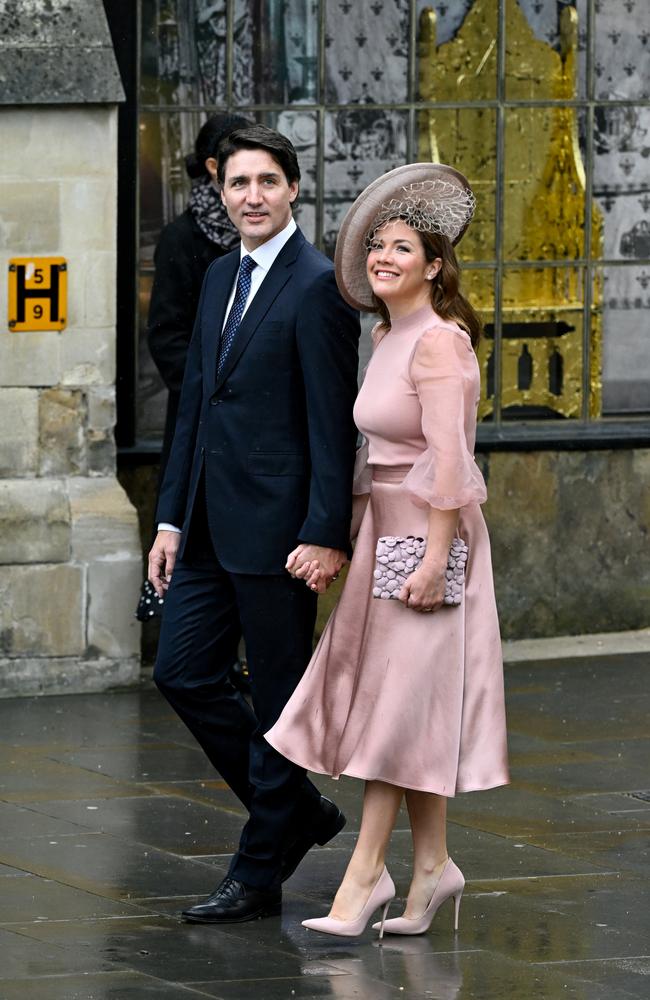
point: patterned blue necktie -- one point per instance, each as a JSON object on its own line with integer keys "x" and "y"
{"x": 237, "y": 311}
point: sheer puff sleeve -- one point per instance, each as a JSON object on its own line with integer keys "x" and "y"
{"x": 445, "y": 374}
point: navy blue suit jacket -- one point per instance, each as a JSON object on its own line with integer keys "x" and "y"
{"x": 274, "y": 433}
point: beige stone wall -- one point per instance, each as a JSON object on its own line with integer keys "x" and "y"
{"x": 69, "y": 541}
{"x": 569, "y": 533}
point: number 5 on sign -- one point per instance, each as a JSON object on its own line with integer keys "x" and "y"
{"x": 38, "y": 289}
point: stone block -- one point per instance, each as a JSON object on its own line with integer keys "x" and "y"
{"x": 30, "y": 23}
{"x": 89, "y": 149}
{"x": 62, "y": 421}
{"x": 601, "y": 543}
{"x": 29, "y": 217}
{"x": 101, "y": 452}
{"x": 522, "y": 514}
{"x": 42, "y": 611}
{"x": 34, "y": 521}
{"x": 100, "y": 438}
{"x": 18, "y": 432}
{"x": 76, "y": 304}
{"x": 113, "y": 588}
{"x": 88, "y": 213}
{"x": 569, "y": 537}
{"x": 30, "y": 358}
{"x": 65, "y": 675}
{"x": 88, "y": 357}
{"x": 101, "y": 408}
{"x": 99, "y": 273}
{"x": 104, "y": 523}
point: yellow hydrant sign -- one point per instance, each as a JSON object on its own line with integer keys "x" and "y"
{"x": 38, "y": 293}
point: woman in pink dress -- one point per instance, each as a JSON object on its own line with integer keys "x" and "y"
{"x": 407, "y": 694}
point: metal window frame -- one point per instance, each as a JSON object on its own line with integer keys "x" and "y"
{"x": 606, "y": 431}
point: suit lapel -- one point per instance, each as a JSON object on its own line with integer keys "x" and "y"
{"x": 215, "y": 310}
{"x": 278, "y": 276}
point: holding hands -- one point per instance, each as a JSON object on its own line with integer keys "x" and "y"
{"x": 316, "y": 565}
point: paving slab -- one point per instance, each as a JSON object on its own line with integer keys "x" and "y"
{"x": 174, "y": 951}
{"x": 627, "y": 850}
{"x": 27, "y": 958}
{"x": 30, "y": 778}
{"x": 107, "y": 866}
{"x": 41, "y": 899}
{"x": 111, "y": 822}
{"x": 20, "y": 822}
{"x": 629, "y": 975}
{"x": 171, "y": 823}
{"x": 520, "y": 812}
{"x": 149, "y": 762}
{"x": 96, "y": 986}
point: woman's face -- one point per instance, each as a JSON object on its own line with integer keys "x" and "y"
{"x": 397, "y": 269}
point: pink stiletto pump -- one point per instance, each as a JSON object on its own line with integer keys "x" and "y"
{"x": 451, "y": 883}
{"x": 381, "y": 895}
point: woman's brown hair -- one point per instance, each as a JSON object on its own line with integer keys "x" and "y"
{"x": 446, "y": 297}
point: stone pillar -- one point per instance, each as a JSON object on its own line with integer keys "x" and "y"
{"x": 69, "y": 540}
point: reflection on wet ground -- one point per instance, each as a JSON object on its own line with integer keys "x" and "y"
{"x": 111, "y": 821}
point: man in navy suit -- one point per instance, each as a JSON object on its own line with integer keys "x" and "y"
{"x": 261, "y": 463}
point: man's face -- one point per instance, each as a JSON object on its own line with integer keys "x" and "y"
{"x": 257, "y": 196}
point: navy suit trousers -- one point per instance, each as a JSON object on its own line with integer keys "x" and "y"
{"x": 207, "y": 610}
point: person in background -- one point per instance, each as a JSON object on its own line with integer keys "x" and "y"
{"x": 186, "y": 248}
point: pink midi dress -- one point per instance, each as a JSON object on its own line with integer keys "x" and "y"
{"x": 414, "y": 699}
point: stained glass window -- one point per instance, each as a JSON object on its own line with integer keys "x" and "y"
{"x": 544, "y": 104}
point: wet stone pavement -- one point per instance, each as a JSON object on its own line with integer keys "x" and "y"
{"x": 111, "y": 821}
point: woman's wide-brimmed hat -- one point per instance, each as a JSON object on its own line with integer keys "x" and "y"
{"x": 430, "y": 197}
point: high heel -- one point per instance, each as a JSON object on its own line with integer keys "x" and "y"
{"x": 450, "y": 884}
{"x": 382, "y": 894}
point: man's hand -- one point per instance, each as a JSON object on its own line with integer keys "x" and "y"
{"x": 316, "y": 565}
{"x": 161, "y": 560}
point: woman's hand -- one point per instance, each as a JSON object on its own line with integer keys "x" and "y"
{"x": 424, "y": 590}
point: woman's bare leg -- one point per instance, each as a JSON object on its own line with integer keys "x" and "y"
{"x": 381, "y": 803}
{"x": 428, "y": 817}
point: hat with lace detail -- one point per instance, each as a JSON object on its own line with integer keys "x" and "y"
{"x": 429, "y": 197}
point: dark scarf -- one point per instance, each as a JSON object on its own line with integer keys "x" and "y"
{"x": 210, "y": 215}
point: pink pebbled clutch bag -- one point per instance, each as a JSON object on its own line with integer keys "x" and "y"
{"x": 398, "y": 557}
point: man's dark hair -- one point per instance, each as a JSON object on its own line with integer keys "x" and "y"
{"x": 259, "y": 137}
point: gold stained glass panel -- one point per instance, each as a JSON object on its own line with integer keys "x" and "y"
{"x": 458, "y": 62}
{"x": 541, "y": 344}
{"x": 541, "y": 50}
{"x": 544, "y": 186}
{"x": 466, "y": 138}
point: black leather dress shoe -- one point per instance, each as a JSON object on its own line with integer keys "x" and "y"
{"x": 232, "y": 902}
{"x": 331, "y": 822}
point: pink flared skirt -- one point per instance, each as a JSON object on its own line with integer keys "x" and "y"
{"x": 396, "y": 695}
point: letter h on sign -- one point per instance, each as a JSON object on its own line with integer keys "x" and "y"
{"x": 37, "y": 293}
